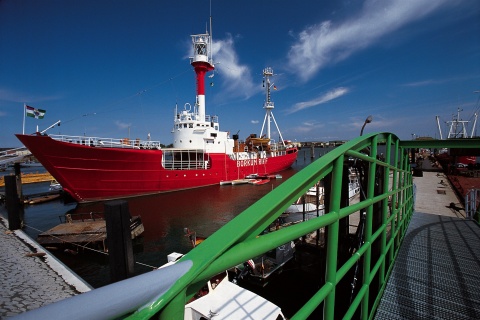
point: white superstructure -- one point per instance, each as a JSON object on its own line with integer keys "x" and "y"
{"x": 192, "y": 128}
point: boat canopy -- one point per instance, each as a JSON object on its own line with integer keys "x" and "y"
{"x": 229, "y": 301}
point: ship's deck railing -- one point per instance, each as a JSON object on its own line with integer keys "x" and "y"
{"x": 125, "y": 143}
{"x": 386, "y": 203}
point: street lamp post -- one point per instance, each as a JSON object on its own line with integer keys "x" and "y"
{"x": 368, "y": 120}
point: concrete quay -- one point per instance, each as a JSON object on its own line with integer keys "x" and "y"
{"x": 435, "y": 195}
{"x": 30, "y": 277}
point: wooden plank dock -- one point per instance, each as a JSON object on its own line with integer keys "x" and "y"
{"x": 83, "y": 233}
{"x": 31, "y": 178}
{"x": 90, "y": 233}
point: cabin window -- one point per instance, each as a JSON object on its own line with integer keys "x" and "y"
{"x": 190, "y": 125}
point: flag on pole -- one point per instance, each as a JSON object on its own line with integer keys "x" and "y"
{"x": 34, "y": 113}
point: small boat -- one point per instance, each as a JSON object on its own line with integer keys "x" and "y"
{"x": 298, "y": 208}
{"x": 221, "y": 298}
{"x": 258, "y": 176}
{"x": 259, "y": 182}
{"x": 259, "y": 268}
{"x": 42, "y": 199}
{"x": 240, "y": 181}
{"x": 266, "y": 265}
{"x": 55, "y": 186}
{"x": 308, "y": 202}
{"x": 274, "y": 176}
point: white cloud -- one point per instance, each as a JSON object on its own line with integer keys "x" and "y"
{"x": 329, "y": 42}
{"x": 254, "y": 121}
{"x": 23, "y": 97}
{"x": 237, "y": 77}
{"x": 379, "y": 123}
{"x": 307, "y": 127}
{"x": 331, "y": 95}
{"x": 429, "y": 82}
{"x": 422, "y": 83}
{"x": 122, "y": 125}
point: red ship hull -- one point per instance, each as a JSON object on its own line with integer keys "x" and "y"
{"x": 95, "y": 173}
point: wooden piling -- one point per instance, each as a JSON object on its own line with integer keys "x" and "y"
{"x": 18, "y": 178}
{"x": 13, "y": 204}
{"x": 119, "y": 240}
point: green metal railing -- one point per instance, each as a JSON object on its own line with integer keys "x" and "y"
{"x": 386, "y": 205}
{"x": 387, "y": 200}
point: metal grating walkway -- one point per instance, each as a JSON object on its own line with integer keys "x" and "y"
{"x": 437, "y": 272}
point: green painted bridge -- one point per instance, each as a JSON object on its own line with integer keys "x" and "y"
{"x": 386, "y": 207}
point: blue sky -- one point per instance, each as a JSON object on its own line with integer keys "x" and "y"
{"x": 118, "y": 68}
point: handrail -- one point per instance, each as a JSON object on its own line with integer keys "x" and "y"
{"x": 240, "y": 239}
{"x": 108, "y": 142}
{"x": 386, "y": 202}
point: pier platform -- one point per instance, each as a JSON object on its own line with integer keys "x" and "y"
{"x": 85, "y": 230}
{"x": 436, "y": 274}
{"x": 30, "y": 276}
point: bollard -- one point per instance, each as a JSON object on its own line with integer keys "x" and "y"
{"x": 119, "y": 240}
{"x": 13, "y": 205}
